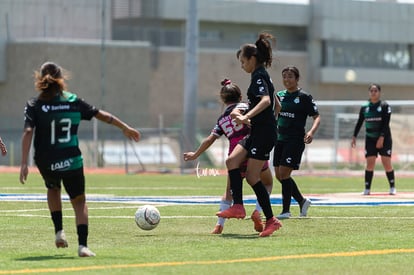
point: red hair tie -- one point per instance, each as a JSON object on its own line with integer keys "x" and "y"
{"x": 227, "y": 82}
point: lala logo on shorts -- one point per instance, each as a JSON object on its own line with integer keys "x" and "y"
{"x": 61, "y": 165}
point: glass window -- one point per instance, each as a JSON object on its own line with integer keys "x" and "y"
{"x": 366, "y": 55}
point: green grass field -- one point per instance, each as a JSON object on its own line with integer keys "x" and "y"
{"x": 333, "y": 240}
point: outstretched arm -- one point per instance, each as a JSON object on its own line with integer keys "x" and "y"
{"x": 205, "y": 144}
{"x": 128, "y": 131}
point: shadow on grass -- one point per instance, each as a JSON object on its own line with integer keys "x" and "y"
{"x": 45, "y": 258}
{"x": 240, "y": 236}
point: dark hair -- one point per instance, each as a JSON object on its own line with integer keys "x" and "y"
{"x": 376, "y": 85}
{"x": 50, "y": 80}
{"x": 230, "y": 92}
{"x": 262, "y": 49}
{"x": 292, "y": 69}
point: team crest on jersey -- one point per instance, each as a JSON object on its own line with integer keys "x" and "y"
{"x": 296, "y": 100}
{"x": 366, "y": 109}
{"x": 61, "y": 165}
{"x": 259, "y": 82}
{"x": 45, "y": 108}
{"x": 379, "y": 109}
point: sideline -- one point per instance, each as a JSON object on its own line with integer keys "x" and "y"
{"x": 230, "y": 261}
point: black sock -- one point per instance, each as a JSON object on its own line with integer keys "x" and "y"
{"x": 57, "y": 220}
{"x": 236, "y": 185}
{"x": 82, "y": 230}
{"x": 263, "y": 199}
{"x": 286, "y": 194}
{"x": 368, "y": 179}
{"x": 296, "y": 193}
{"x": 391, "y": 178}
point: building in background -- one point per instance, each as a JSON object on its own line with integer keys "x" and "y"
{"x": 128, "y": 55}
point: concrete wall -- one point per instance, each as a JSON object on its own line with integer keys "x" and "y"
{"x": 126, "y": 81}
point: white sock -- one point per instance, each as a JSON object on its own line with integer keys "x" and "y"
{"x": 224, "y": 205}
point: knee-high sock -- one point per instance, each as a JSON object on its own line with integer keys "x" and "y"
{"x": 263, "y": 199}
{"x": 368, "y": 179}
{"x": 296, "y": 194}
{"x": 391, "y": 178}
{"x": 236, "y": 185}
{"x": 286, "y": 194}
{"x": 57, "y": 220}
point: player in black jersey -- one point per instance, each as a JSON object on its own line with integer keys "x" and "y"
{"x": 297, "y": 106}
{"x": 377, "y": 114}
{"x": 254, "y": 59}
{"x": 230, "y": 95}
{"x": 3, "y": 148}
{"x": 53, "y": 118}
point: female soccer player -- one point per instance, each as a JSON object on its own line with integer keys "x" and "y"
{"x": 53, "y": 118}
{"x": 377, "y": 114}
{"x": 256, "y": 147}
{"x": 230, "y": 95}
{"x": 297, "y": 105}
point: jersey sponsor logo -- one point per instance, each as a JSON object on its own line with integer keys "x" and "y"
{"x": 253, "y": 151}
{"x": 289, "y": 160}
{"x": 60, "y": 107}
{"x": 287, "y": 114}
{"x": 45, "y": 108}
{"x": 259, "y": 82}
{"x": 60, "y": 165}
{"x": 373, "y": 119}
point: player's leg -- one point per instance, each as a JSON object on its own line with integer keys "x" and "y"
{"x": 233, "y": 162}
{"x": 74, "y": 182}
{"x": 267, "y": 179}
{"x": 54, "y": 202}
{"x": 389, "y": 172}
{"x": 225, "y": 204}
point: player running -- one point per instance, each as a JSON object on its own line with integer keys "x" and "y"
{"x": 53, "y": 118}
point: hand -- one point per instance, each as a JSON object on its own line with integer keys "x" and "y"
{"x": 353, "y": 142}
{"x": 380, "y": 142}
{"x": 3, "y": 148}
{"x": 308, "y": 138}
{"x": 189, "y": 156}
{"x": 132, "y": 134}
{"x": 24, "y": 171}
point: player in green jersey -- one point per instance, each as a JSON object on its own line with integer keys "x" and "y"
{"x": 53, "y": 118}
{"x": 377, "y": 114}
{"x": 297, "y": 105}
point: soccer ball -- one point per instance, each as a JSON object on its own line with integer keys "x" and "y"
{"x": 147, "y": 217}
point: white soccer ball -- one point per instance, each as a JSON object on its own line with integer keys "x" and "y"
{"x": 147, "y": 217}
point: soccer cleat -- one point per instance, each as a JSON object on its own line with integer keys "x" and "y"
{"x": 61, "y": 239}
{"x": 304, "y": 207}
{"x": 366, "y": 192}
{"x": 393, "y": 191}
{"x": 84, "y": 251}
{"x": 257, "y": 220}
{"x": 283, "y": 216}
{"x": 271, "y": 226}
{"x": 217, "y": 229}
{"x": 236, "y": 211}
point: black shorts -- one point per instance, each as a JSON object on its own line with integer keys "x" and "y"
{"x": 73, "y": 180}
{"x": 371, "y": 150}
{"x": 288, "y": 154}
{"x": 259, "y": 143}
